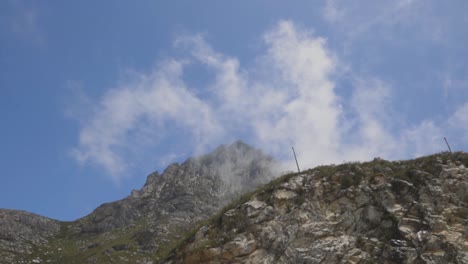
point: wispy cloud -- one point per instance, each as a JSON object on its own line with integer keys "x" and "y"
{"x": 370, "y": 131}
{"x": 420, "y": 139}
{"x": 459, "y": 123}
{"x": 332, "y": 12}
{"x": 358, "y": 18}
{"x": 377, "y": 19}
{"x": 307, "y": 112}
{"x": 136, "y": 115}
{"x": 24, "y": 22}
{"x": 287, "y": 98}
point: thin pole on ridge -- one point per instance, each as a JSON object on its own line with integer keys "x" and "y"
{"x": 446, "y": 142}
{"x": 297, "y": 164}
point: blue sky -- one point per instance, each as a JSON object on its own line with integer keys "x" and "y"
{"x": 94, "y": 96}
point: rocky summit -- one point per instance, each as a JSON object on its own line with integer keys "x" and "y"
{"x": 229, "y": 207}
{"x": 375, "y": 212}
{"x": 146, "y": 225}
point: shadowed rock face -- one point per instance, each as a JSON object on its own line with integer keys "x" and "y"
{"x": 149, "y": 220}
{"x": 377, "y": 212}
{"x": 190, "y": 190}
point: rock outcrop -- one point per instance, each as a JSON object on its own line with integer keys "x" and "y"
{"x": 196, "y": 187}
{"x": 146, "y": 224}
{"x": 21, "y": 232}
{"x": 377, "y": 212}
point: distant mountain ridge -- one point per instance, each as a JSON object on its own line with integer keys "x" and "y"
{"x": 149, "y": 220}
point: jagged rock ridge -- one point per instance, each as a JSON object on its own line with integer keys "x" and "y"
{"x": 377, "y": 212}
{"x": 148, "y": 222}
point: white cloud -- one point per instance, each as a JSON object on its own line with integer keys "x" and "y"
{"x": 458, "y": 122}
{"x": 377, "y": 19}
{"x": 122, "y": 119}
{"x": 292, "y": 104}
{"x": 423, "y": 139}
{"x": 307, "y": 112}
{"x": 229, "y": 87}
{"x": 286, "y": 99}
{"x": 371, "y": 103}
{"x": 453, "y": 86}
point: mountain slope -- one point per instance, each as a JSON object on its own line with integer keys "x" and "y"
{"x": 145, "y": 225}
{"x": 377, "y": 212}
{"x": 21, "y": 232}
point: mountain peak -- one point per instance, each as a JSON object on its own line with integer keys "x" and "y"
{"x": 379, "y": 211}
{"x": 235, "y": 149}
{"x": 169, "y": 204}
{"x": 241, "y": 145}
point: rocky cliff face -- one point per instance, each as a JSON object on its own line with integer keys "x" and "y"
{"x": 198, "y": 186}
{"x": 145, "y": 225}
{"x": 377, "y": 212}
{"x": 21, "y": 232}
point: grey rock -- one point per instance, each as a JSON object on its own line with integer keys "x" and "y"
{"x": 150, "y": 219}
{"x": 21, "y": 231}
{"x": 397, "y": 212}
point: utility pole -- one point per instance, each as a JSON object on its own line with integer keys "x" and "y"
{"x": 297, "y": 164}
{"x": 450, "y": 150}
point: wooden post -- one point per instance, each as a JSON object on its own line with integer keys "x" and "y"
{"x": 450, "y": 150}
{"x": 297, "y": 164}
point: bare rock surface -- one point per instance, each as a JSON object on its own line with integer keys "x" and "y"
{"x": 374, "y": 212}
{"x": 21, "y": 231}
{"x": 377, "y": 212}
{"x": 146, "y": 224}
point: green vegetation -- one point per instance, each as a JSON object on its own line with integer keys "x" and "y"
{"x": 124, "y": 244}
{"x": 350, "y": 179}
{"x": 69, "y": 246}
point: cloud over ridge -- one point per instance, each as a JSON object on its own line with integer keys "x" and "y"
{"x": 288, "y": 98}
